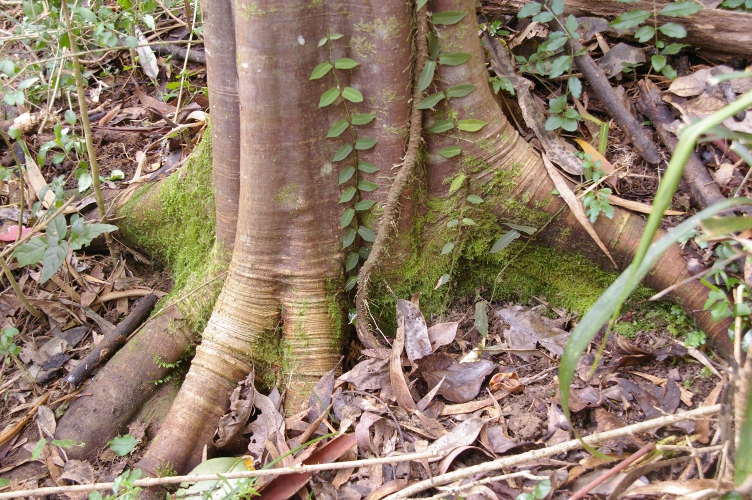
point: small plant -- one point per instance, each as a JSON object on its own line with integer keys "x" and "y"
{"x": 7, "y": 344}
{"x": 123, "y": 489}
{"x": 695, "y": 338}
{"x": 595, "y": 201}
{"x": 540, "y": 491}
{"x": 122, "y": 445}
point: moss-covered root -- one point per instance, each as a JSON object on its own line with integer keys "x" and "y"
{"x": 125, "y": 383}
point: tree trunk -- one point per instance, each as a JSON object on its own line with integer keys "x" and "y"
{"x": 281, "y": 304}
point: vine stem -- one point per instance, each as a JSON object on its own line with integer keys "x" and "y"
{"x": 391, "y": 208}
{"x": 86, "y": 125}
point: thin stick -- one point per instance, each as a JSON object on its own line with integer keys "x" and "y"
{"x": 582, "y": 493}
{"x": 564, "y": 447}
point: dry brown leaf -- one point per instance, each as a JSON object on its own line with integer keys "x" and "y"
{"x": 574, "y": 205}
{"x": 396, "y": 375}
{"x": 417, "y": 343}
{"x": 442, "y": 334}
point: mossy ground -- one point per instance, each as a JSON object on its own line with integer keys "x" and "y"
{"x": 179, "y": 230}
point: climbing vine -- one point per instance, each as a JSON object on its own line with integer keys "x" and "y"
{"x": 354, "y": 195}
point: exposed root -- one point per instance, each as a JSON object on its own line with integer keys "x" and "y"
{"x": 391, "y": 208}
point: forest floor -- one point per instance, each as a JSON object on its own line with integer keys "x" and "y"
{"x": 487, "y": 386}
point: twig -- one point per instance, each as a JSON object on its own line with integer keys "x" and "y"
{"x": 391, "y": 208}
{"x": 553, "y": 450}
{"x": 158, "y": 481}
{"x": 19, "y": 293}
{"x": 582, "y": 493}
{"x": 446, "y": 492}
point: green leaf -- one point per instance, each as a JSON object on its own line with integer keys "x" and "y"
{"x": 673, "y": 48}
{"x": 542, "y": 489}
{"x": 6, "y": 482}
{"x": 450, "y": 151}
{"x": 560, "y": 66}
{"x": 630, "y": 19}
{"x": 347, "y": 217}
{"x": 471, "y": 125}
{"x": 529, "y": 9}
{"x": 30, "y": 252}
{"x": 82, "y": 234}
{"x": 367, "y": 186}
{"x": 322, "y": 42}
{"x": 352, "y": 261}
{"x": 558, "y": 104}
{"x": 475, "y": 199}
{"x": 349, "y": 237}
{"x": 420, "y": 3}
{"x": 431, "y": 100}
{"x": 364, "y": 252}
{"x": 364, "y": 205}
{"x": 337, "y": 129}
{"x": 335, "y": 36}
{"x": 466, "y": 221}
{"x": 668, "y": 72}
{"x": 345, "y": 63}
{"x": 14, "y": 133}
{"x": 362, "y": 118}
{"x": 569, "y": 124}
{"x": 426, "y": 76}
{"x": 433, "y": 45}
{"x": 351, "y": 282}
{"x": 680, "y": 9}
{"x": 365, "y": 143}
{"x": 440, "y": 126}
{"x": 367, "y": 167}
{"x": 70, "y": 116}
{"x": 352, "y": 95}
{"x": 571, "y": 25}
{"x": 454, "y": 59}
{"x": 367, "y": 234}
{"x": 644, "y": 33}
{"x": 122, "y": 445}
{"x": 673, "y": 30}
{"x": 457, "y": 183}
{"x": 321, "y": 70}
{"x": 543, "y": 17}
{"x": 53, "y": 258}
{"x": 447, "y": 248}
{"x": 346, "y": 174}
{"x": 554, "y": 122}
{"x": 57, "y": 229}
{"x": 658, "y": 61}
{"x": 481, "y": 318}
{"x": 37, "y": 451}
{"x": 453, "y": 223}
{"x": 347, "y": 194}
{"x": 504, "y": 241}
{"x": 328, "y": 97}
{"x": 448, "y": 18}
{"x": 575, "y": 86}
{"x": 523, "y": 229}
{"x": 557, "y": 7}
{"x": 343, "y": 152}
{"x": 460, "y": 90}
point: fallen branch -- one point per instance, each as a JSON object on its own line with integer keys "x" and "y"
{"x": 114, "y": 341}
{"x": 564, "y": 447}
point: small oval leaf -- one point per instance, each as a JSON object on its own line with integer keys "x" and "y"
{"x": 361, "y": 118}
{"x": 454, "y": 59}
{"x": 347, "y": 194}
{"x": 450, "y": 151}
{"x": 352, "y": 261}
{"x": 460, "y": 90}
{"x": 337, "y": 129}
{"x": 342, "y": 152}
{"x": 367, "y": 167}
{"x": 364, "y": 205}
{"x": 321, "y": 70}
{"x": 348, "y": 237}
{"x": 328, "y": 97}
{"x": 471, "y": 125}
{"x": 475, "y": 199}
{"x": 504, "y": 241}
{"x": 447, "y": 248}
{"x": 440, "y": 126}
{"x": 346, "y": 174}
{"x": 448, "y": 18}
{"x": 345, "y": 63}
{"x": 365, "y": 143}
{"x": 347, "y": 218}
{"x": 457, "y": 183}
{"x": 367, "y": 234}
{"x": 431, "y": 100}
{"x": 367, "y": 186}
{"x": 426, "y": 76}
{"x": 352, "y": 95}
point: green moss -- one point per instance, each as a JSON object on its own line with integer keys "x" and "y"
{"x": 179, "y": 230}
